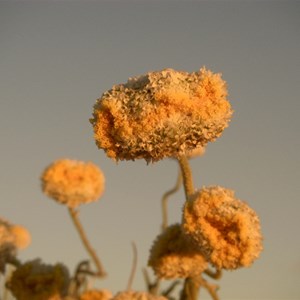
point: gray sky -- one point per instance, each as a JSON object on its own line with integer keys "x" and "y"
{"x": 57, "y": 58}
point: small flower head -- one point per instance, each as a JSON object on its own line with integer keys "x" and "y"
{"x": 37, "y": 281}
{"x": 96, "y": 295}
{"x": 22, "y": 236}
{"x": 226, "y": 229}
{"x": 133, "y": 295}
{"x": 73, "y": 182}
{"x": 174, "y": 256}
{"x": 161, "y": 114}
{"x": 12, "y": 238}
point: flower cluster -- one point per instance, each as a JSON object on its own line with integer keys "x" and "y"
{"x": 161, "y": 114}
{"x": 73, "y": 182}
{"x": 226, "y": 230}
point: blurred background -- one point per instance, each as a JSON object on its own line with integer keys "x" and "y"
{"x": 58, "y": 57}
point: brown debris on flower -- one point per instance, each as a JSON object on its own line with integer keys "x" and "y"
{"x": 133, "y": 295}
{"x": 37, "y": 281}
{"x": 174, "y": 256}
{"x": 96, "y": 295}
{"x": 226, "y": 229}
{"x": 73, "y": 182}
{"x": 161, "y": 114}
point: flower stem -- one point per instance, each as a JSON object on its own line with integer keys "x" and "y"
{"x": 186, "y": 175}
{"x": 164, "y": 200}
{"x": 134, "y": 265}
{"x": 74, "y": 216}
{"x": 190, "y": 289}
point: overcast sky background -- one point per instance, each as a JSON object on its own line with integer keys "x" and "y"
{"x": 57, "y": 58}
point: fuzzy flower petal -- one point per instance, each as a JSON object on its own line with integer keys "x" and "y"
{"x": 161, "y": 114}
{"x": 73, "y": 182}
{"x": 226, "y": 229}
{"x": 174, "y": 256}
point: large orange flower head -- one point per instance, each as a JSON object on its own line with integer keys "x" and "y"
{"x": 73, "y": 182}
{"x": 225, "y": 229}
{"x": 174, "y": 256}
{"x": 161, "y": 114}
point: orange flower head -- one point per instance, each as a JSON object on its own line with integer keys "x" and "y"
{"x": 21, "y": 235}
{"x": 133, "y": 295}
{"x": 96, "y": 295}
{"x": 73, "y": 182}
{"x": 174, "y": 256}
{"x": 161, "y": 114}
{"x": 226, "y": 229}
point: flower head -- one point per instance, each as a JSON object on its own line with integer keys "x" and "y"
{"x": 133, "y": 295}
{"x": 226, "y": 229}
{"x": 37, "y": 281}
{"x": 96, "y": 295}
{"x": 22, "y": 236}
{"x": 161, "y": 114}
{"x": 174, "y": 256}
{"x": 73, "y": 182}
{"x": 12, "y": 238}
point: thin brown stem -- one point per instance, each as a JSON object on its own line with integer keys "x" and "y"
{"x": 186, "y": 175}
{"x": 211, "y": 288}
{"x": 86, "y": 243}
{"x": 134, "y": 265}
{"x": 152, "y": 288}
{"x": 215, "y": 275}
{"x": 190, "y": 289}
{"x": 164, "y": 200}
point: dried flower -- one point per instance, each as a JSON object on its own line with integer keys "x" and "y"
{"x": 73, "y": 182}
{"x": 161, "y": 114}
{"x": 96, "y": 295}
{"x": 37, "y": 281}
{"x": 226, "y": 229}
{"x": 174, "y": 256}
{"x": 132, "y": 295}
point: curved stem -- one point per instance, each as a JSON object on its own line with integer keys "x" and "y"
{"x": 152, "y": 288}
{"x": 215, "y": 275}
{"x": 86, "y": 243}
{"x": 134, "y": 264}
{"x": 164, "y": 200}
{"x": 186, "y": 175}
